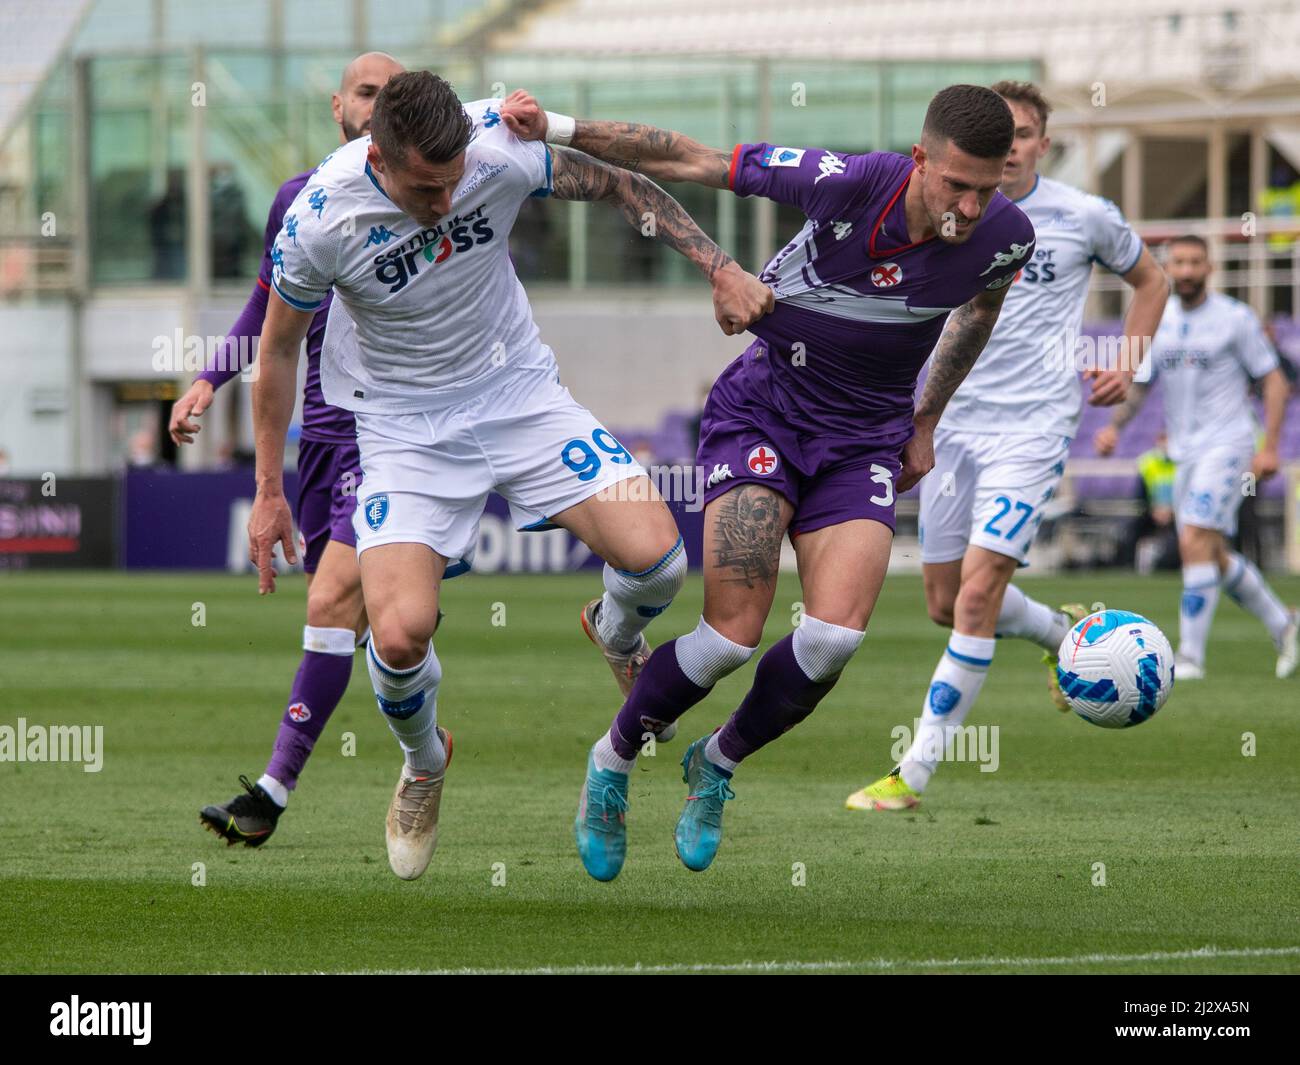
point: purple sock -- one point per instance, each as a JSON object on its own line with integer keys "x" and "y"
{"x": 317, "y": 689}
{"x": 781, "y": 697}
{"x": 661, "y": 695}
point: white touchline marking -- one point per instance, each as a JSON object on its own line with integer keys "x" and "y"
{"x": 882, "y": 964}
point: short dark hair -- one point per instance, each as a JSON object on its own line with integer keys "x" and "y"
{"x": 977, "y": 120}
{"x": 1029, "y": 94}
{"x": 1191, "y": 238}
{"x": 417, "y": 109}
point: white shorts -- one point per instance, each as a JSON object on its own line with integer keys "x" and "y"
{"x": 426, "y": 477}
{"x": 1208, "y": 489}
{"x": 988, "y": 490}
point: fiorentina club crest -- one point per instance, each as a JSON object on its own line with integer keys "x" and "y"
{"x": 886, "y": 275}
{"x": 762, "y": 461}
{"x": 298, "y": 712}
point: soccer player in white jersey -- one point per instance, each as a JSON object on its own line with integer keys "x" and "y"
{"x": 1001, "y": 445}
{"x": 455, "y": 394}
{"x": 1207, "y": 351}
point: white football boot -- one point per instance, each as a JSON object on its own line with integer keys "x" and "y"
{"x": 1288, "y": 653}
{"x": 412, "y": 825}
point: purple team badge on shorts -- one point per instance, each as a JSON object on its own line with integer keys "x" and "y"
{"x": 763, "y": 461}
{"x": 376, "y": 510}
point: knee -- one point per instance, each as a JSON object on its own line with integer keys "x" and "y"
{"x": 977, "y": 604}
{"x": 659, "y": 581}
{"x": 330, "y": 605}
{"x": 940, "y": 608}
{"x": 399, "y": 645}
{"x": 744, "y": 628}
{"x": 649, "y": 549}
{"x": 822, "y": 649}
{"x": 1201, "y": 545}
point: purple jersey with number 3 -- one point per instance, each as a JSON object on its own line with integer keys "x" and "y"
{"x": 821, "y": 404}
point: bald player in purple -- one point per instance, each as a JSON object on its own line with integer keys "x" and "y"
{"x": 812, "y": 430}
{"x": 329, "y": 474}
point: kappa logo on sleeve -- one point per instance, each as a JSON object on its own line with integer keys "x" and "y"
{"x": 782, "y": 157}
{"x": 829, "y": 164}
{"x": 1006, "y": 258}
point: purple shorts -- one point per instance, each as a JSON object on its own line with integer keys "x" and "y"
{"x": 329, "y": 477}
{"x": 829, "y": 476}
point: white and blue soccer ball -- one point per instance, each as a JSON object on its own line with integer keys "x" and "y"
{"x": 1116, "y": 669}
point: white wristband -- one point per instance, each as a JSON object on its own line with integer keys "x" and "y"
{"x": 559, "y": 128}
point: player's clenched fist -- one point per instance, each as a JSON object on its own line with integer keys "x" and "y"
{"x": 1105, "y": 440}
{"x": 191, "y": 405}
{"x": 524, "y": 116}
{"x": 270, "y": 523}
{"x": 918, "y": 458}
{"x": 739, "y": 299}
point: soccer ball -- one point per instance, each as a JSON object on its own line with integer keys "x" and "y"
{"x": 1116, "y": 668}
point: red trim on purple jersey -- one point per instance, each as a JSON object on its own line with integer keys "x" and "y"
{"x": 871, "y": 242}
{"x": 264, "y": 284}
{"x": 731, "y": 172}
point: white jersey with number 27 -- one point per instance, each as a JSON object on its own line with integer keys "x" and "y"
{"x": 1021, "y": 383}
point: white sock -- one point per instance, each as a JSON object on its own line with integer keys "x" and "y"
{"x": 633, "y": 600}
{"x": 953, "y": 688}
{"x": 408, "y": 699}
{"x": 1246, "y": 587}
{"x": 605, "y": 757}
{"x": 714, "y": 754}
{"x": 822, "y": 649}
{"x": 1032, "y": 620}
{"x": 1196, "y": 611}
{"x": 278, "y": 792}
{"x": 706, "y": 656}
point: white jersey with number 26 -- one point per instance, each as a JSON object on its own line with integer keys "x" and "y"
{"x": 1205, "y": 359}
{"x": 1021, "y": 383}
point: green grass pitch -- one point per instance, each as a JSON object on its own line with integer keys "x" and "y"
{"x": 994, "y": 872}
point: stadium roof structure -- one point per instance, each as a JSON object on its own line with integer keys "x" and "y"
{"x": 1216, "y": 42}
{"x": 32, "y": 35}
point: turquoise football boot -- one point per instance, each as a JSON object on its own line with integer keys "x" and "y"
{"x": 601, "y": 824}
{"x": 699, "y": 829}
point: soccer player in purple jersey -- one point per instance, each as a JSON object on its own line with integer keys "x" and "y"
{"x": 812, "y": 430}
{"x": 329, "y": 470}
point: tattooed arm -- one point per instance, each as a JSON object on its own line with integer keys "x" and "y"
{"x": 739, "y": 298}
{"x": 963, "y": 338}
{"x": 658, "y": 153}
{"x": 1108, "y": 435}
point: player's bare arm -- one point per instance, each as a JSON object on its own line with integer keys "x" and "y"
{"x": 739, "y": 298}
{"x": 661, "y": 154}
{"x": 964, "y": 335}
{"x": 1150, "y": 287}
{"x": 273, "y": 399}
{"x": 1276, "y": 390}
